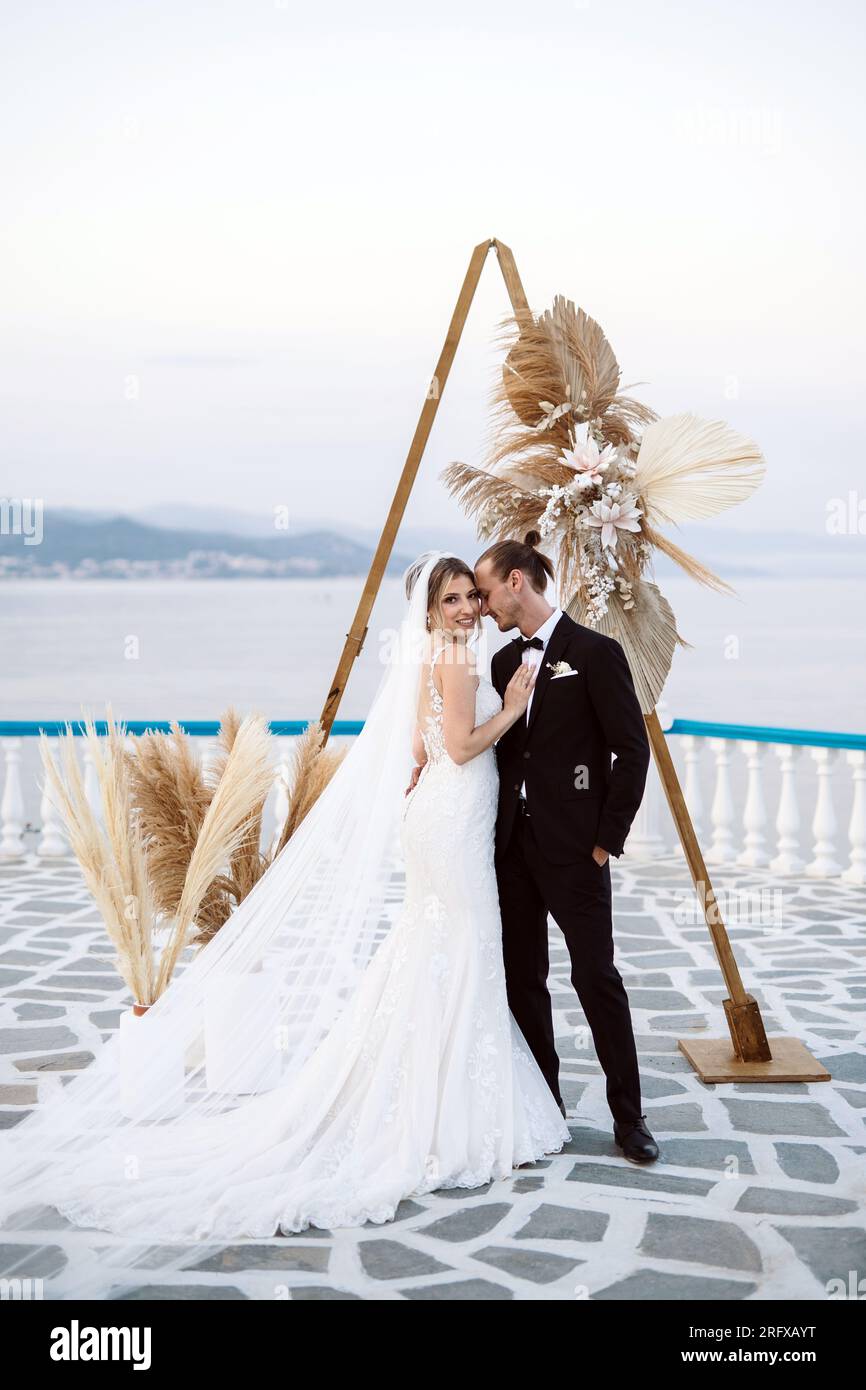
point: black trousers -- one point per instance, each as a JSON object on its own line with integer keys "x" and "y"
{"x": 578, "y": 897}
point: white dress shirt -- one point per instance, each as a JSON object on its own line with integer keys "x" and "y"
{"x": 532, "y": 656}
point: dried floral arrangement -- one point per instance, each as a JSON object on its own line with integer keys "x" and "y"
{"x": 173, "y": 846}
{"x": 172, "y": 792}
{"x": 596, "y": 473}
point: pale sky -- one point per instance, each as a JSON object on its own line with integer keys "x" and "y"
{"x": 233, "y": 235}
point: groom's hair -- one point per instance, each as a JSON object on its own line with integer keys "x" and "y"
{"x": 506, "y": 556}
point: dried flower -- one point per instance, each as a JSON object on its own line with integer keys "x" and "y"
{"x": 554, "y": 413}
{"x": 585, "y": 457}
{"x": 613, "y": 517}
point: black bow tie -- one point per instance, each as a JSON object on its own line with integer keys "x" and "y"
{"x": 524, "y": 642}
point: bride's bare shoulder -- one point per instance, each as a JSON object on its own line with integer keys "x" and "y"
{"x": 457, "y": 667}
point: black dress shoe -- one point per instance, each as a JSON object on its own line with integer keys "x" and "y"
{"x": 562, "y": 1108}
{"x": 635, "y": 1140}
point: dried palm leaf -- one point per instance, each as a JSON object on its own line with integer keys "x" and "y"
{"x": 248, "y": 863}
{"x": 567, "y": 562}
{"x": 556, "y": 408}
{"x": 112, "y": 858}
{"x": 245, "y": 781}
{"x": 586, "y": 359}
{"x": 561, "y": 358}
{"x": 171, "y": 800}
{"x": 689, "y": 468}
{"x": 532, "y": 372}
{"x": 624, "y": 421}
{"x": 536, "y": 471}
{"x": 109, "y": 762}
{"x": 505, "y": 508}
{"x": 312, "y": 770}
{"x": 647, "y": 634}
{"x": 230, "y": 723}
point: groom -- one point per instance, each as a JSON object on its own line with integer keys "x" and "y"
{"x": 563, "y": 809}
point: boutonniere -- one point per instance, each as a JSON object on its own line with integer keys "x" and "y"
{"x": 560, "y": 668}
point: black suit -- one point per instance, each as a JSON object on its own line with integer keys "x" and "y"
{"x": 544, "y": 863}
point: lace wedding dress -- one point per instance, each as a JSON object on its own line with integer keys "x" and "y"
{"x": 424, "y": 1082}
{"x": 420, "y": 1080}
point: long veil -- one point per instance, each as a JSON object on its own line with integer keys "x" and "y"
{"x": 265, "y": 992}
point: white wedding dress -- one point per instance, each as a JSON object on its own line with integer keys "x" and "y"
{"x": 423, "y": 1081}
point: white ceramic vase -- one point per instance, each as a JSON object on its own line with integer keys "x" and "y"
{"x": 136, "y": 1061}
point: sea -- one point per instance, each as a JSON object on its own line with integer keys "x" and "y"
{"x": 781, "y": 652}
{"x": 784, "y": 652}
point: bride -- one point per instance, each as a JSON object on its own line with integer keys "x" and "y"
{"x": 396, "y": 1067}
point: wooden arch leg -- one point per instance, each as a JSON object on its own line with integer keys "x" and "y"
{"x": 358, "y": 631}
{"x": 748, "y": 1056}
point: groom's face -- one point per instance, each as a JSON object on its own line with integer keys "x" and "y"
{"x": 500, "y": 598}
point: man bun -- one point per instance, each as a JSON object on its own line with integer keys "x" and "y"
{"x": 506, "y": 556}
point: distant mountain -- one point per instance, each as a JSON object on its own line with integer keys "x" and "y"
{"x": 720, "y": 544}
{"x": 411, "y": 539}
{"x": 188, "y": 540}
{"x": 76, "y": 547}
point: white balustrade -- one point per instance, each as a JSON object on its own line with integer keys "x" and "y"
{"x": 824, "y": 864}
{"x": 646, "y": 839}
{"x": 721, "y": 848}
{"x": 12, "y": 805}
{"x": 755, "y": 853}
{"x": 738, "y": 829}
{"x": 741, "y": 827}
{"x": 53, "y": 843}
{"x": 692, "y": 746}
{"x": 787, "y": 859}
{"x": 856, "y": 870}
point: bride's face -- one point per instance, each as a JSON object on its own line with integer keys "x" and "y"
{"x": 459, "y": 607}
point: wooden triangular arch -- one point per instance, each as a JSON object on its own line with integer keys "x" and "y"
{"x": 748, "y": 1056}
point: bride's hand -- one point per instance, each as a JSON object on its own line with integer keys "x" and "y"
{"x": 519, "y": 689}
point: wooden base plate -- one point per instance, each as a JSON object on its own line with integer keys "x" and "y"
{"x": 714, "y": 1059}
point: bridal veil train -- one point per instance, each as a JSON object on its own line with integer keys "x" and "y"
{"x": 395, "y": 1069}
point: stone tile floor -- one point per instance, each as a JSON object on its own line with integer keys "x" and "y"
{"x": 760, "y": 1190}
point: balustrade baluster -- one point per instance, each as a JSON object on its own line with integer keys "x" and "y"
{"x": 787, "y": 859}
{"x": 721, "y": 848}
{"x": 12, "y": 805}
{"x": 824, "y": 863}
{"x": 856, "y": 870}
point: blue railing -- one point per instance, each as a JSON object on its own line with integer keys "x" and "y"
{"x": 209, "y": 728}
{"x": 754, "y": 733}
{"x": 198, "y": 728}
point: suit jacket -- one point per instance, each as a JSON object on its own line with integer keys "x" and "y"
{"x": 575, "y": 797}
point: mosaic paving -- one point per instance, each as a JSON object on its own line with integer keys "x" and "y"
{"x": 760, "y": 1190}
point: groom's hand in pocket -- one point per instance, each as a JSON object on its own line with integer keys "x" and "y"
{"x": 600, "y": 855}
